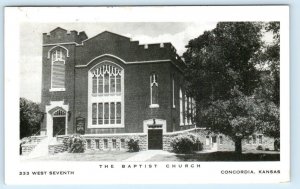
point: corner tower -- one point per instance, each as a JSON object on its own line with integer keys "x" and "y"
{"x": 58, "y": 64}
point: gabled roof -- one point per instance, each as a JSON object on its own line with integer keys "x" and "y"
{"x": 107, "y": 33}
{"x": 58, "y": 29}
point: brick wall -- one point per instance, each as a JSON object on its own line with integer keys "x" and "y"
{"x": 136, "y": 78}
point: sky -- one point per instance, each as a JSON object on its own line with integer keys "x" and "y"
{"x": 178, "y": 33}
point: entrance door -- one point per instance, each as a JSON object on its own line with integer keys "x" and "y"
{"x": 59, "y": 124}
{"x": 214, "y": 142}
{"x": 155, "y": 139}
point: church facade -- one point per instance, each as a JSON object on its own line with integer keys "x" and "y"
{"x": 109, "y": 88}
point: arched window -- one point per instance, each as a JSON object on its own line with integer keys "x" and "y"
{"x": 106, "y": 96}
{"x": 154, "y": 91}
{"x": 190, "y": 110}
{"x": 58, "y": 58}
{"x": 181, "y": 107}
{"x": 185, "y": 109}
{"x": 173, "y": 91}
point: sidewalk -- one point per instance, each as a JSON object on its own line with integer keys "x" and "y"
{"x": 145, "y": 155}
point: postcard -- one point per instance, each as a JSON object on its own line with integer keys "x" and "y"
{"x": 147, "y": 95}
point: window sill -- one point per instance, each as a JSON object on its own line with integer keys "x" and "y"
{"x": 154, "y": 106}
{"x": 105, "y": 126}
{"x": 57, "y": 89}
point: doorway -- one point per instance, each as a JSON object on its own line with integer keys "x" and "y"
{"x": 155, "y": 141}
{"x": 59, "y": 123}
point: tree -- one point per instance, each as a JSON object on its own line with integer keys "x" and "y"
{"x": 218, "y": 61}
{"x": 30, "y": 118}
{"x": 223, "y": 78}
{"x": 269, "y": 58}
{"x": 240, "y": 116}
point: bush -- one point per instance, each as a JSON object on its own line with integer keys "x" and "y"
{"x": 267, "y": 149}
{"x": 76, "y": 144}
{"x": 133, "y": 145}
{"x": 186, "y": 143}
{"x": 259, "y": 147}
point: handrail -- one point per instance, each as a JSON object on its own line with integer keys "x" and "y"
{"x": 37, "y": 132}
{"x": 59, "y": 132}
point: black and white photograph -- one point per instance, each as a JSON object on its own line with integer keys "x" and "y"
{"x": 149, "y": 94}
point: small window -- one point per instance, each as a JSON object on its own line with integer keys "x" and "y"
{"x": 97, "y": 144}
{"x": 118, "y": 117}
{"x": 89, "y": 144}
{"x": 94, "y": 113}
{"x": 114, "y": 143}
{"x": 207, "y": 140}
{"x": 154, "y": 91}
{"x": 220, "y": 139}
{"x": 105, "y": 141}
{"x": 123, "y": 143}
{"x": 173, "y": 91}
{"x": 254, "y": 139}
{"x": 260, "y": 139}
{"x": 181, "y": 107}
{"x": 185, "y": 110}
{"x": 249, "y": 140}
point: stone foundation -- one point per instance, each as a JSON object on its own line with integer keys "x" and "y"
{"x": 114, "y": 142}
{"x": 223, "y": 143}
{"x": 57, "y": 148}
{"x": 29, "y": 143}
{"x": 27, "y": 148}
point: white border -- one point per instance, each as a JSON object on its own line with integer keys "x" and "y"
{"x": 89, "y": 172}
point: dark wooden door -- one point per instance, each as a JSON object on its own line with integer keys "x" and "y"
{"x": 59, "y": 124}
{"x": 155, "y": 139}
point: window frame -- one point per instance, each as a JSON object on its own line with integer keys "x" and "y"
{"x": 173, "y": 91}
{"x": 207, "y": 140}
{"x": 61, "y": 52}
{"x": 153, "y": 81}
{"x": 181, "y": 108}
{"x": 115, "y": 98}
{"x": 221, "y": 140}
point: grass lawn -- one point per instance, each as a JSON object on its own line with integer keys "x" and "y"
{"x": 88, "y": 156}
{"x": 219, "y": 156}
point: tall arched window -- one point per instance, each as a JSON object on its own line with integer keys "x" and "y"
{"x": 185, "y": 109}
{"x": 189, "y": 110}
{"x": 106, "y": 96}
{"x": 173, "y": 91}
{"x": 181, "y": 107}
{"x": 58, "y": 59}
{"x": 154, "y": 91}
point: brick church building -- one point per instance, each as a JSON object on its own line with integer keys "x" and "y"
{"x": 109, "y": 88}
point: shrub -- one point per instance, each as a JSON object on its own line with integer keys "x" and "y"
{"x": 133, "y": 145}
{"x": 186, "y": 143}
{"x": 76, "y": 144}
{"x": 267, "y": 149}
{"x": 259, "y": 147}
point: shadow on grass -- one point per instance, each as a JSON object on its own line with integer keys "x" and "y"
{"x": 228, "y": 156}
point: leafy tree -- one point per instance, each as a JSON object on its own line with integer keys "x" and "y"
{"x": 240, "y": 116}
{"x": 269, "y": 59}
{"x": 30, "y": 118}
{"x": 224, "y": 80}
{"x": 218, "y": 61}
